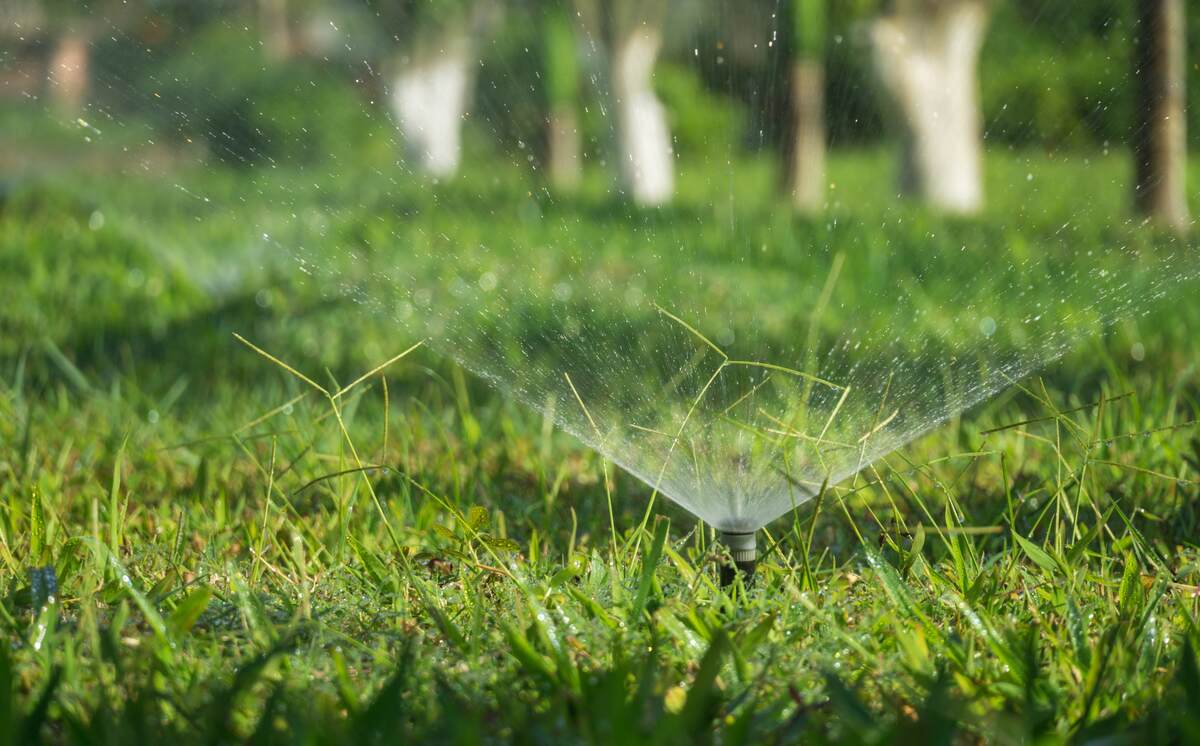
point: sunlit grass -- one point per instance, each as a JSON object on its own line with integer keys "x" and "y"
{"x": 389, "y": 551}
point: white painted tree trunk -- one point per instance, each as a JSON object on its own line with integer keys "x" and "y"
{"x": 429, "y": 98}
{"x": 926, "y": 56}
{"x": 642, "y": 137}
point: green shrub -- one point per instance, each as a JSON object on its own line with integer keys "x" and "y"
{"x": 702, "y": 121}
{"x": 222, "y": 88}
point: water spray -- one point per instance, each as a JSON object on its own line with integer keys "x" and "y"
{"x": 743, "y": 546}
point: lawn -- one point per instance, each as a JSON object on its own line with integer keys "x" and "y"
{"x": 240, "y": 553}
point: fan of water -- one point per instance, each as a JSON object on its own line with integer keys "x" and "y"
{"x": 741, "y": 249}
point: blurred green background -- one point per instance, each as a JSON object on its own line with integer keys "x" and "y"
{"x": 226, "y": 573}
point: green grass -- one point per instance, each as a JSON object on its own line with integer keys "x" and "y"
{"x": 240, "y": 556}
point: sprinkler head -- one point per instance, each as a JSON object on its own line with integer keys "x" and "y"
{"x": 743, "y": 545}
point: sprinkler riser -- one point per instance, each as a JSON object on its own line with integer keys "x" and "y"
{"x": 743, "y": 548}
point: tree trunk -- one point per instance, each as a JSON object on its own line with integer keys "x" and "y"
{"x": 1160, "y": 124}
{"x": 563, "y": 147}
{"x": 804, "y": 152}
{"x": 276, "y": 29}
{"x": 804, "y": 139}
{"x": 926, "y": 55}
{"x": 560, "y": 80}
{"x": 429, "y": 99}
{"x": 643, "y": 138}
{"x": 68, "y": 72}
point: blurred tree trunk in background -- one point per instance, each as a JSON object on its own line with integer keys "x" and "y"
{"x": 276, "y": 29}
{"x": 642, "y": 133}
{"x": 560, "y": 77}
{"x": 926, "y": 57}
{"x": 68, "y": 71}
{"x": 804, "y": 146}
{"x": 71, "y": 26}
{"x": 631, "y": 32}
{"x": 429, "y": 96}
{"x": 1160, "y": 124}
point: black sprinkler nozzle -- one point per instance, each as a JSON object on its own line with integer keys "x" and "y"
{"x": 743, "y": 548}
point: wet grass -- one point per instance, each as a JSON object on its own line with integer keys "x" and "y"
{"x": 240, "y": 554}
